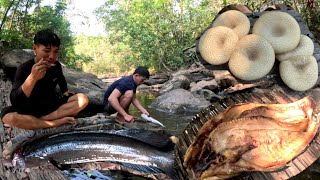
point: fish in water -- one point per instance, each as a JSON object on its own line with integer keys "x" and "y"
{"x": 151, "y": 119}
{"x": 99, "y": 146}
{"x": 251, "y": 137}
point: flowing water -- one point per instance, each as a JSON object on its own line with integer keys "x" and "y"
{"x": 174, "y": 123}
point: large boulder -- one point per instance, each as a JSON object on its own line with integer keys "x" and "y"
{"x": 179, "y": 101}
{"x": 157, "y": 79}
{"x": 177, "y": 82}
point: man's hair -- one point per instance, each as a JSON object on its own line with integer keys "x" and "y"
{"x": 142, "y": 71}
{"x": 46, "y": 37}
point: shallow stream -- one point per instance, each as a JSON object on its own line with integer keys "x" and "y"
{"x": 174, "y": 123}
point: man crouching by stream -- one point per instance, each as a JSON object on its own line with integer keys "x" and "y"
{"x": 35, "y": 102}
{"x": 122, "y": 93}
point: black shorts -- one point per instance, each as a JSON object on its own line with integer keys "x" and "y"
{"x": 109, "y": 109}
{"x": 36, "y": 110}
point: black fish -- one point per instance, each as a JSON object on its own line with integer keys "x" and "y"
{"x": 133, "y": 146}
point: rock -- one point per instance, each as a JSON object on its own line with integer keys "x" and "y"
{"x": 11, "y": 60}
{"x": 179, "y": 101}
{"x": 210, "y": 85}
{"x": 206, "y": 94}
{"x": 179, "y": 81}
{"x": 144, "y": 87}
{"x": 157, "y": 79}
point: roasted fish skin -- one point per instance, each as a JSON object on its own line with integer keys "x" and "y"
{"x": 289, "y": 145}
{"x": 291, "y": 113}
{"x": 230, "y": 113}
{"x": 240, "y": 144}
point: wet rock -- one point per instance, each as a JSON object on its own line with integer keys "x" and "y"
{"x": 180, "y": 81}
{"x": 203, "y": 84}
{"x": 157, "y": 79}
{"x": 179, "y": 101}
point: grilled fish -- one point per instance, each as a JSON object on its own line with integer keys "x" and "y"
{"x": 251, "y": 137}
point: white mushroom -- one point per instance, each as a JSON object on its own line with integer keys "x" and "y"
{"x": 299, "y": 73}
{"x": 252, "y": 59}
{"x": 305, "y": 47}
{"x": 235, "y": 20}
{"x": 217, "y": 44}
{"x": 280, "y": 29}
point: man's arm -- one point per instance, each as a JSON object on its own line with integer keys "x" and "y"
{"x": 114, "y": 101}
{"x": 138, "y": 105}
{"x": 37, "y": 72}
{"x": 25, "y": 80}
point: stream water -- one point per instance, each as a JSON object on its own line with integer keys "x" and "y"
{"x": 174, "y": 123}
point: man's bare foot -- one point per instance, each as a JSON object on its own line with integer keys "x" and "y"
{"x": 120, "y": 120}
{"x": 64, "y": 120}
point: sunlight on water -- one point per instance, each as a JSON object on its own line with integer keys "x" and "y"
{"x": 174, "y": 123}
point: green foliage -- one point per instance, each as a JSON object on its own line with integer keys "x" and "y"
{"x": 26, "y": 17}
{"x": 154, "y": 32}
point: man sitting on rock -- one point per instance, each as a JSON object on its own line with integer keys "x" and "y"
{"x": 34, "y": 98}
{"x": 122, "y": 93}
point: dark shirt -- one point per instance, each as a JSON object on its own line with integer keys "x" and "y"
{"x": 124, "y": 84}
{"x": 44, "y": 91}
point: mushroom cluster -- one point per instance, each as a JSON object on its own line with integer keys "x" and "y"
{"x": 275, "y": 35}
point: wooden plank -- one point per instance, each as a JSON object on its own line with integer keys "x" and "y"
{"x": 272, "y": 98}
{"x": 183, "y": 146}
{"x": 261, "y": 98}
{"x": 298, "y": 165}
{"x": 238, "y": 99}
{"x": 186, "y": 135}
{"x": 278, "y": 97}
{"x": 179, "y": 161}
{"x": 279, "y": 175}
{"x": 219, "y": 108}
{"x": 223, "y": 104}
{"x": 251, "y": 98}
{"x": 229, "y": 102}
{"x": 284, "y": 96}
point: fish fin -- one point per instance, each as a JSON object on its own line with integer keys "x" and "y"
{"x": 59, "y": 165}
{"x": 160, "y": 141}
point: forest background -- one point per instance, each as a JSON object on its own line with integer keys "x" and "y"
{"x": 151, "y": 33}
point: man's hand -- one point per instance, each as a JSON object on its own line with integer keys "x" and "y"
{"x": 128, "y": 118}
{"x": 39, "y": 69}
{"x": 145, "y": 112}
{"x": 68, "y": 94}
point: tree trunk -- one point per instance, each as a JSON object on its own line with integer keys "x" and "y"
{"x": 6, "y": 15}
{"x": 13, "y": 15}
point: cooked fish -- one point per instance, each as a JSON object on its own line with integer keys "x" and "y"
{"x": 292, "y": 112}
{"x": 257, "y": 138}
